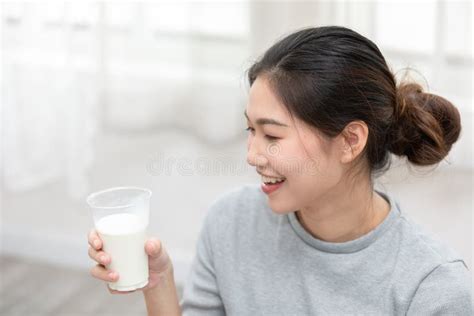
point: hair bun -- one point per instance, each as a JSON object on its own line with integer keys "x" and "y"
{"x": 425, "y": 125}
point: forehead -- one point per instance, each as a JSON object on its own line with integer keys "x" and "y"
{"x": 263, "y": 102}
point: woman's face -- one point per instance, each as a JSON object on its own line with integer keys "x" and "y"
{"x": 292, "y": 150}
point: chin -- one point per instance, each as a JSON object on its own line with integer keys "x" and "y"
{"x": 278, "y": 207}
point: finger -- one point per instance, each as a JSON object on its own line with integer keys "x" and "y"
{"x": 92, "y": 253}
{"x": 101, "y": 273}
{"x": 153, "y": 247}
{"x": 94, "y": 240}
{"x": 99, "y": 256}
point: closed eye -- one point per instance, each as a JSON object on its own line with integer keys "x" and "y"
{"x": 269, "y": 137}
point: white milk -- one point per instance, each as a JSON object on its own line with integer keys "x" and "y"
{"x": 124, "y": 237}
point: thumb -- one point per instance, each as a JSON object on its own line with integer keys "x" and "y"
{"x": 153, "y": 247}
{"x": 158, "y": 260}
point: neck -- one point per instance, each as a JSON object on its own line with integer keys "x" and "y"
{"x": 340, "y": 216}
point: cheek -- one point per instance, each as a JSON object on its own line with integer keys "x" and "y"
{"x": 306, "y": 172}
{"x": 307, "y": 180}
{"x": 295, "y": 164}
{"x": 314, "y": 163}
{"x": 310, "y": 174}
{"x": 311, "y": 177}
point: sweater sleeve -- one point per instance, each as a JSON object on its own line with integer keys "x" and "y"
{"x": 444, "y": 291}
{"x": 201, "y": 293}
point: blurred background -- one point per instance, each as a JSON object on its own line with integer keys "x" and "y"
{"x": 101, "y": 94}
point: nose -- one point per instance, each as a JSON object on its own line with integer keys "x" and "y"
{"x": 254, "y": 156}
{"x": 257, "y": 161}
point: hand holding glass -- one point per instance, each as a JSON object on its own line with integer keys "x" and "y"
{"x": 121, "y": 217}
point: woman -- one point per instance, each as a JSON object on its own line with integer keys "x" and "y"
{"x": 324, "y": 114}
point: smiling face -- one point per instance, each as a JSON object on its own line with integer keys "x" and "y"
{"x": 282, "y": 146}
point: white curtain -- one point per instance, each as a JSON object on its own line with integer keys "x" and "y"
{"x": 176, "y": 65}
{"x": 50, "y": 96}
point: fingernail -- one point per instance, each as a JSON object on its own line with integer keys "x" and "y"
{"x": 102, "y": 258}
{"x": 112, "y": 275}
{"x": 96, "y": 243}
{"x": 153, "y": 247}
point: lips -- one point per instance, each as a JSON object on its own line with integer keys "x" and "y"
{"x": 270, "y": 188}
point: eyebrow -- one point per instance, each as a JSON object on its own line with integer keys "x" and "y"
{"x": 263, "y": 121}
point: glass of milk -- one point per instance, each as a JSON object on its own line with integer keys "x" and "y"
{"x": 121, "y": 217}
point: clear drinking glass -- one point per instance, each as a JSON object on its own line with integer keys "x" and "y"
{"x": 121, "y": 217}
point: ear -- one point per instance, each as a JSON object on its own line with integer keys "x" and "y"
{"x": 353, "y": 140}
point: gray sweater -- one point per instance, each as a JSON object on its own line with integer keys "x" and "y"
{"x": 251, "y": 261}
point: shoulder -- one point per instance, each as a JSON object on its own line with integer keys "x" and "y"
{"x": 423, "y": 245}
{"x": 439, "y": 278}
{"x": 445, "y": 290}
{"x": 431, "y": 276}
{"x": 415, "y": 244}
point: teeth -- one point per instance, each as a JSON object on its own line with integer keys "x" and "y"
{"x": 271, "y": 180}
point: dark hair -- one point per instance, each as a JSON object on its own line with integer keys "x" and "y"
{"x": 330, "y": 76}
